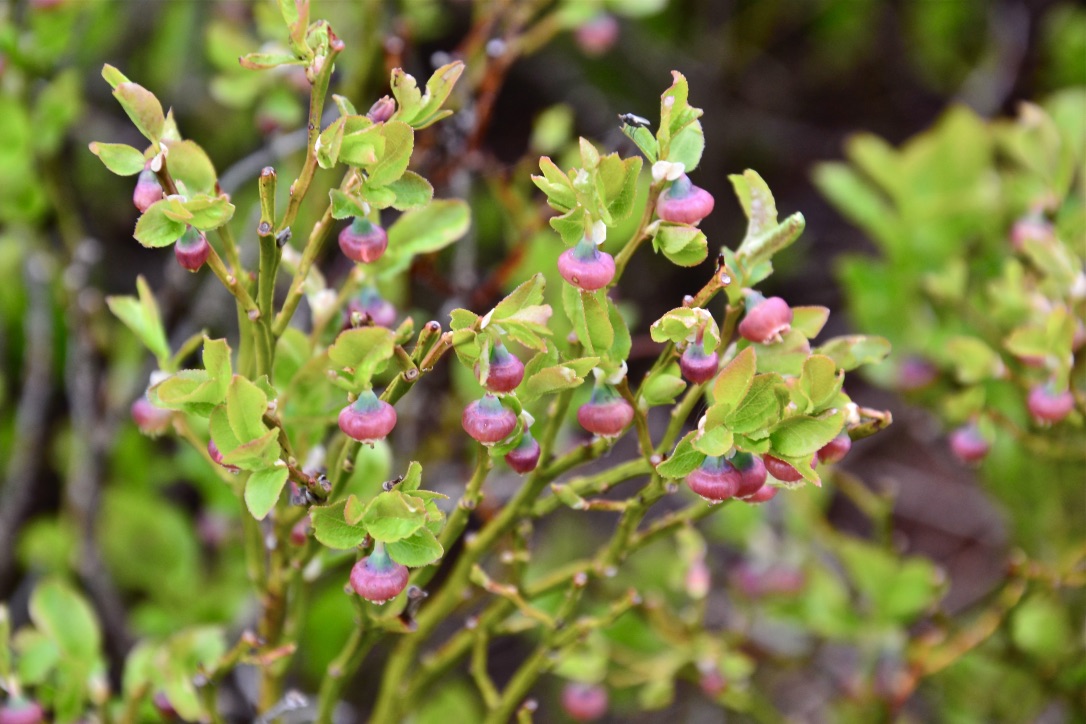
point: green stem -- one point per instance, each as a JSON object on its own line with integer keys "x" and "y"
{"x": 346, "y": 663}
{"x": 639, "y": 236}
{"x": 595, "y": 484}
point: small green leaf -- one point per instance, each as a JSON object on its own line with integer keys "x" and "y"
{"x": 687, "y": 147}
{"x": 64, "y": 616}
{"x": 393, "y": 159}
{"x": 424, "y": 231}
{"x": 263, "y": 488}
{"x": 412, "y": 479}
{"x": 420, "y": 549}
{"x": 803, "y": 435}
{"x": 684, "y": 460}
{"x": 363, "y": 147}
{"x": 143, "y": 318}
{"x": 365, "y": 350}
{"x": 119, "y": 158}
{"x": 393, "y": 516}
{"x": 757, "y": 202}
{"x": 681, "y": 325}
{"x": 266, "y": 61}
{"x": 345, "y": 206}
{"x": 113, "y": 76}
{"x": 820, "y": 381}
{"x": 245, "y": 407}
{"x": 588, "y": 315}
{"x": 716, "y": 441}
{"x": 412, "y": 191}
{"x": 438, "y": 89}
{"x": 142, "y": 107}
{"x": 973, "y": 360}
{"x": 852, "y": 351}
{"x": 190, "y": 166}
{"x": 785, "y": 357}
{"x": 330, "y": 142}
{"x": 528, "y": 294}
{"x": 663, "y": 387}
{"x": 197, "y": 391}
{"x": 155, "y": 229}
{"x": 734, "y": 381}
{"x": 547, "y": 380}
{"x": 682, "y": 244}
{"x": 809, "y": 321}
{"x": 760, "y": 407}
{"x": 757, "y": 249}
{"x": 330, "y": 527}
{"x": 556, "y": 185}
{"x": 209, "y": 212}
{"x": 618, "y": 179}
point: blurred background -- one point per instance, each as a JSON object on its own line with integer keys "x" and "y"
{"x": 784, "y": 84}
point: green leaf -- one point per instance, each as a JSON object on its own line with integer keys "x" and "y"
{"x": 587, "y": 311}
{"x": 681, "y": 325}
{"x": 757, "y": 249}
{"x": 143, "y": 318}
{"x": 528, "y": 294}
{"x": 120, "y": 159}
{"x": 852, "y": 351}
{"x": 142, "y": 107}
{"x": 190, "y": 166}
{"x": 438, "y": 89}
{"x": 208, "y": 212}
{"x": 197, "y": 390}
{"x": 362, "y": 147}
{"x": 419, "y": 549}
{"x": 664, "y": 386}
{"x": 785, "y": 357}
{"x": 684, "y": 460}
{"x": 760, "y": 407}
{"x": 556, "y": 185}
{"x": 734, "y": 381}
{"x": 803, "y": 435}
{"x": 155, "y": 229}
{"x": 345, "y": 206}
{"x": 113, "y": 76}
{"x": 820, "y": 381}
{"x": 757, "y": 202}
{"x": 407, "y": 94}
{"x": 809, "y": 321}
{"x": 716, "y": 441}
{"x": 623, "y": 342}
{"x": 393, "y": 516}
{"x": 682, "y": 244}
{"x": 64, "y": 616}
{"x": 396, "y": 155}
{"x": 263, "y": 488}
{"x": 687, "y": 147}
{"x": 547, "y": 380}
{"x": 675, "y": 113}
{"x": 245, "y": 407}
{"x": 267, "y": 61}
{"x": 365, "y": 350}
{"x": 570, "y": 225}
{"x": 330, "y": 142}
{"x": 412, "y": 191}
{"x": 330, "y": 527}
{"x": 618, "y": 179}
{"x": 424, "y": 231}
{"x": 412, "y": 479}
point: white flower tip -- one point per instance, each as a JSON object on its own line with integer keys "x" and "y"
{"x": 158, "y": 376}
{"x": 598, "y": 233}
{"x": 486, "y": 319}
{"x": 527, "y": 417}
{"x": 617, "y": 376}
{"x": 667, "y": 170}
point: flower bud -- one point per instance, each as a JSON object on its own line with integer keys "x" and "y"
{"x": 506, "y": 370}
{"x": 697, "y": 366}
{"x": 488, "y": 421}
{"x": 382, "y": 110}
{"x": 21, "y": 711}
{"x": 192, "y": 249}
{"x": 586, "y": 267}
{"x": 584, "y": 702}
{"x": 152, "y": 421}
{"x": 370, "y": 303}
{"x": 525, "y": 456}
{"x": 968, "y": 444}
{"x": 1048, "y": 406}
{"x": 363, "y": 241}
{"x": 835, "y": 450}
{"x": 766, "y": 320}
{"x": 368, "y": 419}
{"x": 606, "y": 413}
{"x": 781, "y": 470}
{"x": 216, "y": 457}
{"x": 598, "y": 35}
{"x": 684, "y": 203}
{"x": 377, "y": 578}
{"x": 147, "y": 190}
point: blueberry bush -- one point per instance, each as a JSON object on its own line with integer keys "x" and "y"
{"x": 474, "y": 460}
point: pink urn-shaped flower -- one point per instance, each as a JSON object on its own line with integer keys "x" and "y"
{"x": 152, "y": 421}
{"x": 506, "y": 370}
{"x": 781, "y": 470}
{"x": 766, "y": 319}
{"x": 1048, "y": 406}
{"x": 192, "y": 249}
{"x": 606, "y": 413}
{"x": 968, "y": 444}
{"x": 21, "y": 711}
{"x": 596, "y": 36}
{"x": 368, "y": 419}
{"x": 684, "y": 203}
{"x": 147, "y": 190}
{"x": 835, "y": 450}
{"x": 586, "y": 267}
{"x": 762, "y": 495}
{"x": 370, "y": 304}
{"x": 753, "y": 473}
{"x": 488, "y": 421}
{"x": 525, "y": 456}
{"x": 584, "y": 702}
{"x": 363, "y": 241}
{"x": 377, "y": 578}
{"x": 697, "y": 366}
